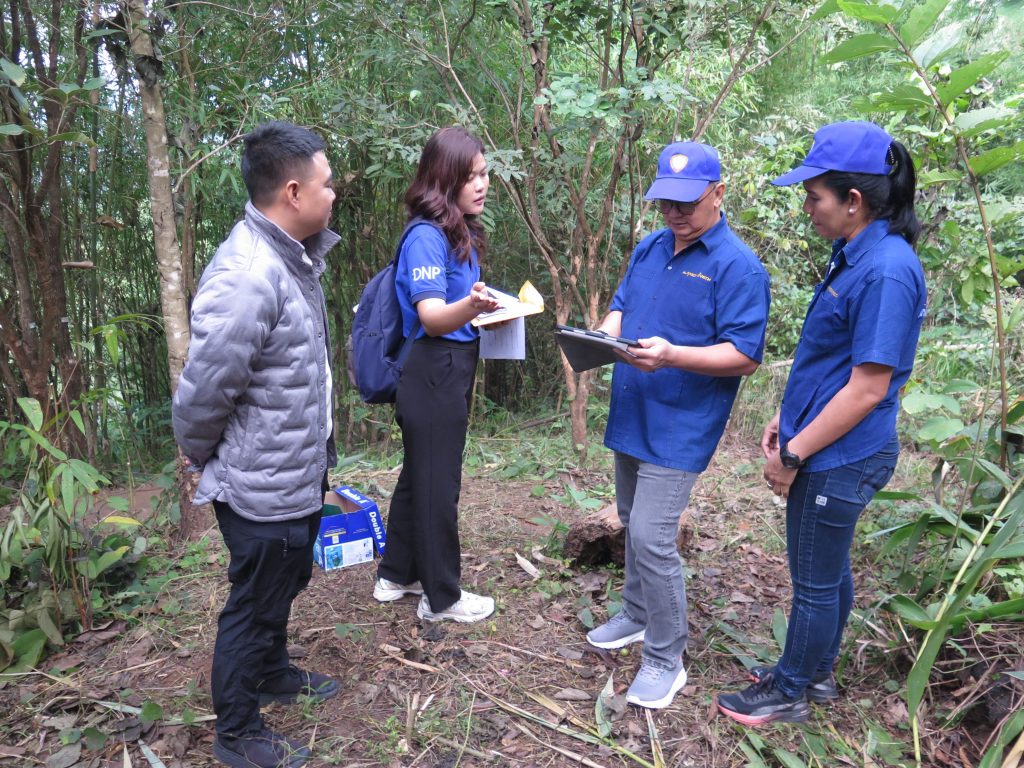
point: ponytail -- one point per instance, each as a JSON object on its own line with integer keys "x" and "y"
{"x": 886, "y": 197}
{"x": 900, "y": 208}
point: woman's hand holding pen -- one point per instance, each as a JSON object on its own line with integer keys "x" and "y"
{"x": 481, "y": 299}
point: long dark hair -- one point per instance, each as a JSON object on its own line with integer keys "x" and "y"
{"x": 887, "y": 197}
{"x": 445, "y": 166}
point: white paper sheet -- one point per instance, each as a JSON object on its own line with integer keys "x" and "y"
{"x": 507, "y": 342}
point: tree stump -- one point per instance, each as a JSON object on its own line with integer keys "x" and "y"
{"x": 600, "y": 538}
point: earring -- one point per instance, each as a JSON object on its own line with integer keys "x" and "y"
{"x": 851, "y": 210}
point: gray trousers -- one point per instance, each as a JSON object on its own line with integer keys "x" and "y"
{"x": 651, "y": 500}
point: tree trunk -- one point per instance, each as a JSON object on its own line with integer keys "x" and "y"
{"x": 172, "y": 295}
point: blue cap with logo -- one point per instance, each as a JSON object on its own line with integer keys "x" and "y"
{"x": 855, "y": 146}
{"x": 684, "y": 170}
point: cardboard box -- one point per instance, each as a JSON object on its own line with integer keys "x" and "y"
{"x": 350, "y": 530}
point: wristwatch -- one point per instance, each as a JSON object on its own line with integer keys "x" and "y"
{"x": 789, "y": 459}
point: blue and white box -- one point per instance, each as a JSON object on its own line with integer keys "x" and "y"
{"x": 350, "y": 530}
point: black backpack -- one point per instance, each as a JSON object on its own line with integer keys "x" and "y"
{"x": 376, "y": 349}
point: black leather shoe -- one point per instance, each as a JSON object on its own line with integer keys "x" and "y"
{"x": 819, "y": 691}
{"x": 296, "y": 682}
{"x": 260, "y": 749}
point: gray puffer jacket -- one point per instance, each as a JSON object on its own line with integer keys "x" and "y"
{"x": 251, "y": 405}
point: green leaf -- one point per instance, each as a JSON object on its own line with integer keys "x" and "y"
{"x": 49, "y": 627}
{"x": 586, "y": 617}
{"x": 921, "y": 18}
{"x": 34, "y": 412}
{"x": 56, "y": 94}
{"x": 77, "y": 418}
{"x": 779, "y": 627}
{"x": 969, "y": 74}
{"x": 939, "y": 428}
{"x": 871, "y": 12}
{"x": 94, "y": 83}
{"x": 993, "y": 471}
{"x": 67, "y": 491}
{"x": 944, "y": 40}
{"x": 967, "y": 289}
{"x": 917, "y": 680}
{"x": 27, "y": 649}
{"x": 47, "y": 446}
{"x": 95, "y": 739}
{"x": 603, "y": 713}
{"x": 13, "y": 72}
{"x": 96, "y": 565}
{"x": 860, "y": 45}
{"x": 911, "y": 612}
{"x": 996, "y": 158}
{"x": 977, "y": 121}
{"x": 120, "y": 503}
{"x": 884, "y": 495}
{"x": 827, "y": 8}
{"x": 10, "y": 129}
{"x": 788, "y": 759}
{"x": 930, "y": 177}
{"x": 72, "y": 137}
{"x": 1009, "y": 731}
{"x": 902, "y": 98}
{"x": 151, "y": 712}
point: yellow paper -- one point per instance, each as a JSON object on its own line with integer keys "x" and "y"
{"x": 529, "y": 302}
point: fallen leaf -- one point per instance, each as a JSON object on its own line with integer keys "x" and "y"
{"x": 572, "y": 694}
{"x": 569, "y": 653}
{"x": 537, "y": 622}
{"x": 739, "y": 597}
{"x": 66, "y": 757}
{"x": 526, "y": 565}
{"x": 592, "y": 581}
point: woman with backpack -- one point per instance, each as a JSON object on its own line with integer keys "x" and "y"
{"x": 439, "y": 289}
{"x": 833, "y": 443}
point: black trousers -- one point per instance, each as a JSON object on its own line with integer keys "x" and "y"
{"x": 271, "y": 562}
{"x": 432, "y": 408}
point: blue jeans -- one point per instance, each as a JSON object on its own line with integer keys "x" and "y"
{"x": 651, "y": 500}
{"x": 821, "y": 516}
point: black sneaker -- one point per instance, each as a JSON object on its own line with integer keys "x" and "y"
{"x": 819, "y": 691}
{"x": 260, "y": 749}
{"x": 763, "y": 703}
{"x": 297, "y": 682}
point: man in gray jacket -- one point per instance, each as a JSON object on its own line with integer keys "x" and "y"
{"x": 253, "y": 413}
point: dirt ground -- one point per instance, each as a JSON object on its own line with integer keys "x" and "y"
{"x": 517, "y": 689}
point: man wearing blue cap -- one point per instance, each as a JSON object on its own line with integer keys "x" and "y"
{"x": 696, "y": 297}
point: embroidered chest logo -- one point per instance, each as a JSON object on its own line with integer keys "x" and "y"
{"x": 832, "y": 292}
{"x": 698, "y": 275}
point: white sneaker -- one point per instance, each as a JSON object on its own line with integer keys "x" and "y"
{"x": 385, "y": 591}
{"x": 465, "y": 610}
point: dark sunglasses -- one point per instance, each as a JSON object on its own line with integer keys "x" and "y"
{"x": 685, "y": 208}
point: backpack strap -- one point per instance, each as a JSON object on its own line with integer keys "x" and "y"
{"x": 411, "y": 338}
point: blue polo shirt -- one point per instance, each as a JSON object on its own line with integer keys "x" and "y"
{"x": 868, "y": 309}
{"x": 428, "y": 269}
{"x": 713, "y": 291}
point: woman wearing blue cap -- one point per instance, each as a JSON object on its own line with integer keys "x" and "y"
{"x": 833, "y": 443}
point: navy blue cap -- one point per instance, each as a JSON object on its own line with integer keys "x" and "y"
{"x": 855, "y": 146}
{"x": 684, "y": 170}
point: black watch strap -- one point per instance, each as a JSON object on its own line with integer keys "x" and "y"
{"x": 789, "y": 459}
